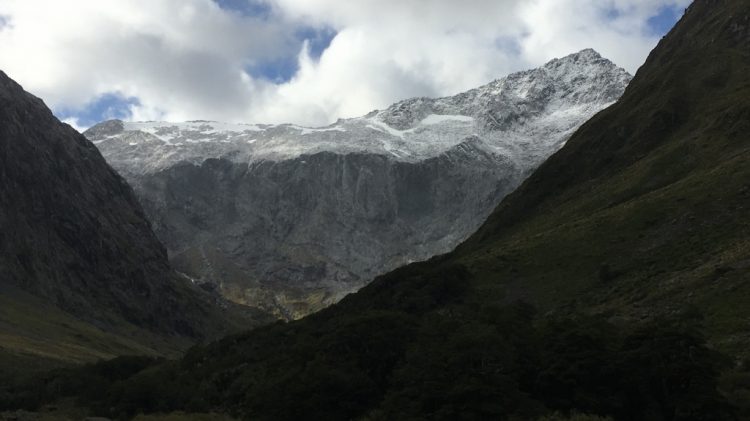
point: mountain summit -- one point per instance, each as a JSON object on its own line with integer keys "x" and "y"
{"x": 293, "y": 218}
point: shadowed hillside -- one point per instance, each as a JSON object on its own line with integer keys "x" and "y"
{"x": 82, "y": 276}
{"x": 611, "y": 285}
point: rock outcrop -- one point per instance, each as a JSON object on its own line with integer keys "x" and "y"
{"x": 291, "y": 219}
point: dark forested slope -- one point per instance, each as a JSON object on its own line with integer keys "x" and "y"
{"x": 610, "y": 283}
{"x": 645, "y": 209}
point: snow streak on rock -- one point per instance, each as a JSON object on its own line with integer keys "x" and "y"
{"x": 292, "y": 218}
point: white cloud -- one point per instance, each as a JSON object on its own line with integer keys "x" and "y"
{"x": 183, "y": 58}
{"x": 73, "y": 122}
{"x": 186, "y": 59}
{"x": 616, "y": 28}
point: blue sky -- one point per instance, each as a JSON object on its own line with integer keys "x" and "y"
{"x": 246, "y": 7}
{"x": 106, "y": 107}
{"x": 283, "y": 69}
{"x": 244, "y": 60}
{"x": 665, "y": 20}
{"x": 117, "y": 106}
{"x": 278, "y": 70}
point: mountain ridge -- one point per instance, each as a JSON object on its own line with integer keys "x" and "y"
{"x": 601, "y": 289}
{"x": 75, "y": 243}
{"x": 525, "y": 93}
{"x": 291, "y": 219}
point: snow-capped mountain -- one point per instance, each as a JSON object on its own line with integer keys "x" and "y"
{"x": 292, "y": 218}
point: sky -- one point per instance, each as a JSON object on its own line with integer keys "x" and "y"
{"x": 308, "y": 62}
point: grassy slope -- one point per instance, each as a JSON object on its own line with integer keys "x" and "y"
{"x": 36, "y": 336}
{"x": 31, "y": 327}
{"x": 645, "y": 210}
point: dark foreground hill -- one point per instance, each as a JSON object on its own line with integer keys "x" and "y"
{"x": 612, "y": 283}
{"x": 82, "y": 276}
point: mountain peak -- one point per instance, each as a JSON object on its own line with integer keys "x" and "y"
{"x": 6, "y": 81}
{"x": 583, "y": 79}
{"x": 584, "y": 58}
{"x": 10, "y": 88}
{"x": 588, "y": 54}
{"x": 402, "y": 166}
{"x": 106, "y": 128}
{"x": 12, "y": 93}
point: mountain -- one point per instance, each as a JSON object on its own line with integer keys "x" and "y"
{"x": 82, "y": 275}
{"x": 612, "y": 285}
{"x": 607, "y": 284}
{"x": 292, "y": 219}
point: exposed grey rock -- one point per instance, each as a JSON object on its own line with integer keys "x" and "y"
{"x": 292, "y": 218}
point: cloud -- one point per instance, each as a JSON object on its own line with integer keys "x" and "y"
{"x": 387, "y": 51}
{"x": 192, "y": 59}
{"x": 618, "y": 29}
{"x": 74, "y": 123}
{"x": 5, "y": 21}
{"x": 179, "y": 58}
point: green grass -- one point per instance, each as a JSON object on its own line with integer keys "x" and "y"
{"x": 179, "y": 416}
{"x": 35, "y": 335}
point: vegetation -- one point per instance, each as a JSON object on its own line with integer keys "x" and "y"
{"x": 497, "y": 362}
{"x": 611, "y": 285}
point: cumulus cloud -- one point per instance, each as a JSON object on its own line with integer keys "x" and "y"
{"x": 73, "y": 122}
{"x": 180, "y": 58}
{"x": 190, "y": 59}
{"x": 617, "y": 29}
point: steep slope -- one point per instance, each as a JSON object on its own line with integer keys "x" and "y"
{"x": 644, "y": 210}
{"x": 631, "y": 242}
{"x": 82, "y": 276}
{"x": 293, "y": 218}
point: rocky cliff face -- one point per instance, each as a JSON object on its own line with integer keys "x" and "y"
{"x": 291, "y": 218}
{"x": 73, "y": 234}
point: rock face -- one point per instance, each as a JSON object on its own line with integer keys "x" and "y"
{"x": 73, "y": 233}
{"x": 291, "y": 219}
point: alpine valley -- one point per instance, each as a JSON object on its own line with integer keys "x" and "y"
{"x": 290, "y": 219}
{"x": 611, "y": 284}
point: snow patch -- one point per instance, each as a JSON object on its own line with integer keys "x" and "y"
{"x": 385, "y": 128}
{"x": 308, "y": 130}
{"x": 521, "y": 117}
{"x": 441, "y": 118}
